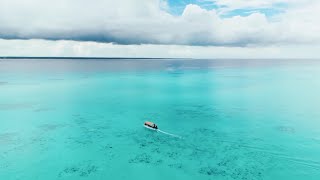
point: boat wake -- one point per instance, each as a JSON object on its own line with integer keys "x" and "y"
{"x": 173, "y": 135}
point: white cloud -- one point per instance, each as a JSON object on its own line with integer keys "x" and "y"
{"x": 64, "y": 48}
{"x": 146, "y": 22}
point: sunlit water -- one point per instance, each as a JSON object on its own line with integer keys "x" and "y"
{"x": 83, "y": 119}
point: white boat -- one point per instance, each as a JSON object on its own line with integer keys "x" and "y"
{"x": 151, "y": 125}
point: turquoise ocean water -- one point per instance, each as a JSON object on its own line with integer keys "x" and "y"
{"x": 83, "y": 119}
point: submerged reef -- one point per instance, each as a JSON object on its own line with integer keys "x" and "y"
{"x": 51, "y": 127}
{"x": 212, "y": 171}
{"x": 141, "y": 158}
{"x": 8, "y": 138}
{"x": 204, "y": 148}
{"x": 82, "y": 170}
{"x": 286, "y": 129}
{"x": 15, "y": 106}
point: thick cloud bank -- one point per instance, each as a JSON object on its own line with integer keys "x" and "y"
{"x": 63, "y": 48}
{"x": 148, "y": 22}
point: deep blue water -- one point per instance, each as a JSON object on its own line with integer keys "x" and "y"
{"x": 82, "y": 119}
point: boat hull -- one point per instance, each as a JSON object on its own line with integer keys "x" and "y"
{"x": 150, "y": 128}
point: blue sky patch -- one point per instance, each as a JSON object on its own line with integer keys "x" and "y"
{"x": 176, "y": 7}
{"x": 269, "y": 12}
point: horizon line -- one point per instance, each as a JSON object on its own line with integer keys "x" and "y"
{"x": 144, "y": 58}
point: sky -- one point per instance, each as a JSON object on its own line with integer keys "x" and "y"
{"x": 161, "y": 28}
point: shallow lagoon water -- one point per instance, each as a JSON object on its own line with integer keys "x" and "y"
{"x": 83, "y": 119}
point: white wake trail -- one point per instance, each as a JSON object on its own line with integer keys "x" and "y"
{"x": 173, "y": 135}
